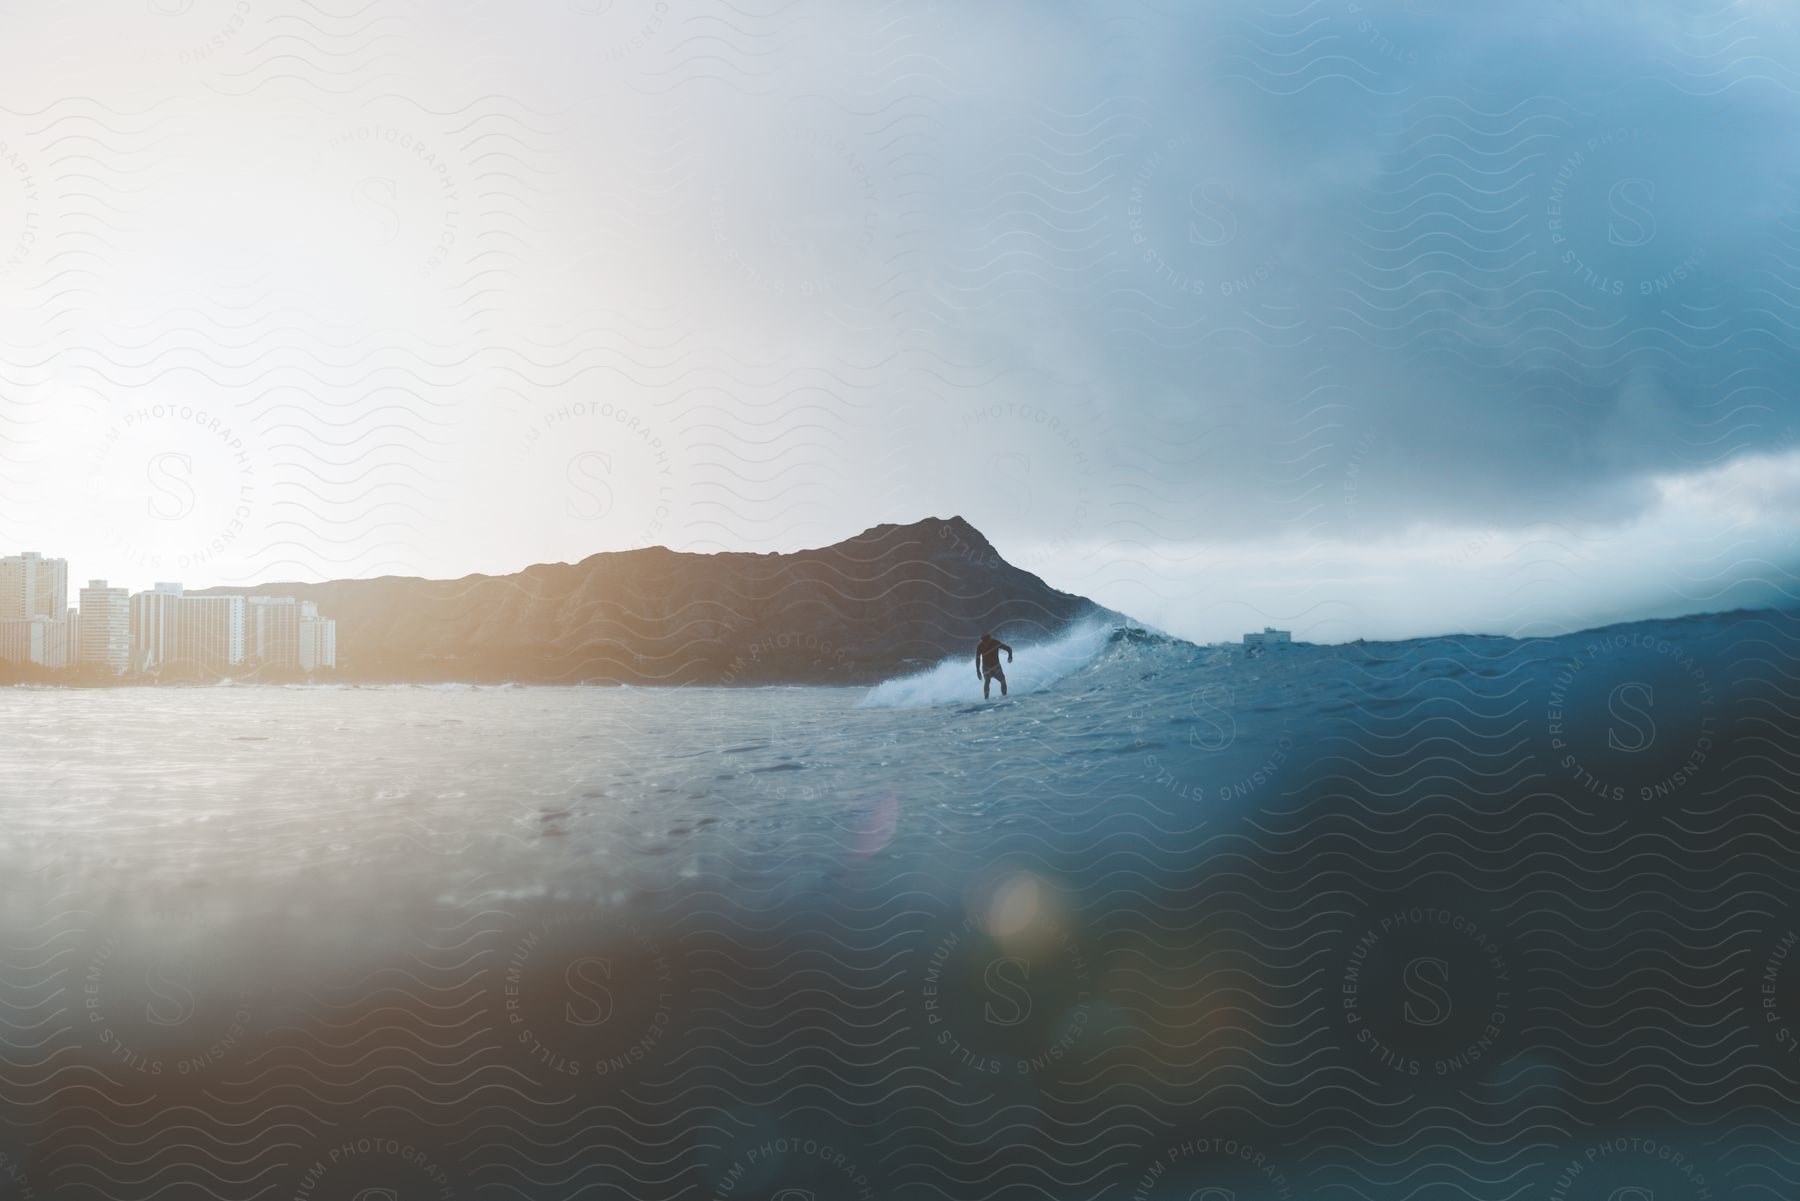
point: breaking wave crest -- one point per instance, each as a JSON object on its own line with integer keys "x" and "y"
{"x": 1036, "y": 666}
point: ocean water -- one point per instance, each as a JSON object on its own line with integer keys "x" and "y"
{"x": 1457, "y": 917}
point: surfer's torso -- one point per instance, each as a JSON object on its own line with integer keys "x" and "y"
{"x": 988, "y": 651}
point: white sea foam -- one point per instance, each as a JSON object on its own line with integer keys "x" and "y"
{"x": 1037, "y": 666}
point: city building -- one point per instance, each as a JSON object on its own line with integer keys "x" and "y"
{"x": 21, "y": 640}
{"x": 40, "y": 640}
{"x": 153, "y": 630}
{"x": 33, "y": 586}
{"x": 209, "y": 632}
{"x": 34, "y": 593}
{"x": 272, "y": 631}
{"x": 219, "y": 632}
{"x": 318, "y": 639}
{"x": 105, "y": 627}
{"x": 1269, "y": 637}
{"x": 153, "y": 626}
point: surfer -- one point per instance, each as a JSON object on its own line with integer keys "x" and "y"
{"x": 987, "y": 663}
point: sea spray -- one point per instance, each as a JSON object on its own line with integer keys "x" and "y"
{"x": 1036, "y": 666}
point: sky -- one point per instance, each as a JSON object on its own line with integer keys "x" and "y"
{"x": 1360, "y": 318}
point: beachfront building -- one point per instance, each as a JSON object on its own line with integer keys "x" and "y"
{"x": 33, "y": 586}
{"x": 153, "y": 626}
{"x": 288, "y": 634}
{"x": 272, "y": 631}
{"x": 105, "y": 627}
{"x": 219, "y": 632}
{"x": 38, "y": 640}
{"x": 318, "y": 639}
{"x": 153, "y": 630}
{"x": 1269, "y": 637}
{"x": 209, "y": 632}
{"x": 34, "y": 593}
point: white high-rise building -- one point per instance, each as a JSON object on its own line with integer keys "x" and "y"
{"x": 105, "y": 627}
{"x": 153, "y": 626}
{"x": 318, "y": 639}
{"x": 216, "y": 633}
{"x": 52, "y": 588}
{"x": 72, "y": 632}
{"x": 34, "y": 594}
{"x": 38, "y": 640}
{"x": 18, "y": 587}
{"x": 272, "y": 630}
{"x": 21, "y": 640}
{"x": 209, "y": 632}
{"x": 33, "y": 586}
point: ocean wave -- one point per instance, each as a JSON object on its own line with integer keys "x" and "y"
{"x": 1037, "y": 666}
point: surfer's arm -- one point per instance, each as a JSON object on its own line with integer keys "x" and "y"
{"x": 1008, "y": 651}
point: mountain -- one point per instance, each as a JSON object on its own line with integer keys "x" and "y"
{"x": 890, "y": 599}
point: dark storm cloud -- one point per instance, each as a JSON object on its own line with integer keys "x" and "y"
{"x": 1505, "y": 263}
